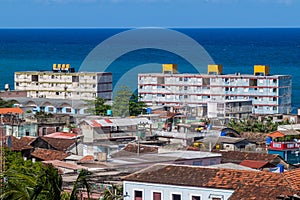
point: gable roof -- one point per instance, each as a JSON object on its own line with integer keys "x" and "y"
{"x": 238, "y": 180}
{"x": 21, "y": 144}
{"x": 255, "y": 164}
{"x": 63, "y": 135}
{"x": 293, "y": 176}
{"x": 239, "y": 156}
{"x": 283, "y": 133}
{"x": 11, "y": 110}
{"x": 62, "y": 164}
{"x": 132, "y": 149}
{"x": 47, "y": 154}
{"x": 58, "y": 143}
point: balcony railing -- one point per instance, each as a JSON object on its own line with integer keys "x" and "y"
{"x": 284, "y": 145}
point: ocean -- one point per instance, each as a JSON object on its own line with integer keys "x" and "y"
{"x": 236, "y": 49}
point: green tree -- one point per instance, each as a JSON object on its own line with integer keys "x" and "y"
{"x": 127, "y": 104}
{"x": 98, "y": 107}
{"x": 6, "y": 104}
{"x": 136, "y": 105}
{"x": 113, "y": 193}
{"x": 81, "y": 182}
{"x": 29, "y": 180}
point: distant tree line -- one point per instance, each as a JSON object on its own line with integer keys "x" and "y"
{"x": 254, "y": 125}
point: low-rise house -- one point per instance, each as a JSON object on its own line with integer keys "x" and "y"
{"x": 110, "y": 128}
{"x": 225, "y": 143}
{"x": 61, "y": 141}
{"x": 47, "y": 154}
{"x": 138, "y": 161}
{"x": 238, "y": 156}
{"x": 234, "y": 144}
{"x": 259, "y": 165}
{"x": 285, "y": 143}
{"x": 179, "y": 182}
{"x": 103, "y": 135}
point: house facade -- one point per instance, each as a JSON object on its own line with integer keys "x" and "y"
{"x": 286, "y": 144}
{"x": 178, "y": 182}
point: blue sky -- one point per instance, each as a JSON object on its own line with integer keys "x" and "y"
{"x": 149, "y": 13}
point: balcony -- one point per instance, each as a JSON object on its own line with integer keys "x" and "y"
{"x": 284, "y": 145}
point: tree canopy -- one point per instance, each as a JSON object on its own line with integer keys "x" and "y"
{"x": 98, "y": 107}
{"x": 127, "y": 104}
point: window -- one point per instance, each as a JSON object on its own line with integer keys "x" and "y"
{"x": 197, "y": 163}
{"x": 156, "y": 195}
{"x": 50, "y": 109}
{"x": 195, "y": 197}
{"x": 176, "y": 196}
{"x": 213, "y": 162}
{"x": 215, "y": 197}
{"x": 68, "y": 110}
{"x": 138, "y": 195}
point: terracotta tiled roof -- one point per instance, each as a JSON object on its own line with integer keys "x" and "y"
{"x": 132, "y": 149}
{"x": 58, "y": 143}
{"x": 58, "y": 163}
{"x": 47, "y": 154}
{"x": 11, "y": 110}
{"x": 239, "y": 156}
{"x": 254, "y": 164}
{"x": 248, "y": 192}
{"x": 293, "y": 176}
{"x": 21, "y": 144}
{"x": 238, "y": 180}
{"x": 87, "y": 158}
{"x": 283, "y": 133}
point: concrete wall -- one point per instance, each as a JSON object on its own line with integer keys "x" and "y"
{"x": 167, "y": 191}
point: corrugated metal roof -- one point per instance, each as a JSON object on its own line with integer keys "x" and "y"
{"x": 62, "y": 135}
{"x": 108, "y": 122}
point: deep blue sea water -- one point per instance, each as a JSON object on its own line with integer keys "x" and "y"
{"x": 236, "y": 49}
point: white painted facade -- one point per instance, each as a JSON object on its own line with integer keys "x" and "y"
{"x": 185, "y": 192}
{"x": 269, "y": 94}
{"x": 64, "y": 85}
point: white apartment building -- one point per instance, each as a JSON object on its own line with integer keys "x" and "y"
{"x": 270, "y": 94}
{"x": 63, "y": 83}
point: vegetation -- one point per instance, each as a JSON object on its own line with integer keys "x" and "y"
{"x": 42, "y": 114}
{"x": 98, "y": 107}
{"x": 127, "y": 104}
{"x": 113, "y": 193}
{"x": 253, "y": 125}
{"x": 6, "y": 104}
{"x": 27, "y": 180}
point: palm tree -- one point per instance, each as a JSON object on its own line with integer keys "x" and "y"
{"x": 113, "y": 193}
{"x": 20, "y": 186}
{"x": 82, "y": 181}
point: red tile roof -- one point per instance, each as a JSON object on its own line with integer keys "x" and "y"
{"x": 293, "y": 176}
{"x": 283, "y": 133}
{"x": 62, "y": 135}
{"x": 58, "y": 143}
{"x": 11, "y": 110}
{"x": 238, "y": 180}
{"x": 238, "y": 156}
{"x": 21, "y": 144}
{"x": 254, "y": 164}
{"x": 87, "y": 158}
{"x": 47, "y": 154}
{"x": 132, "y": 149}
{"x": 61, "y": 164}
